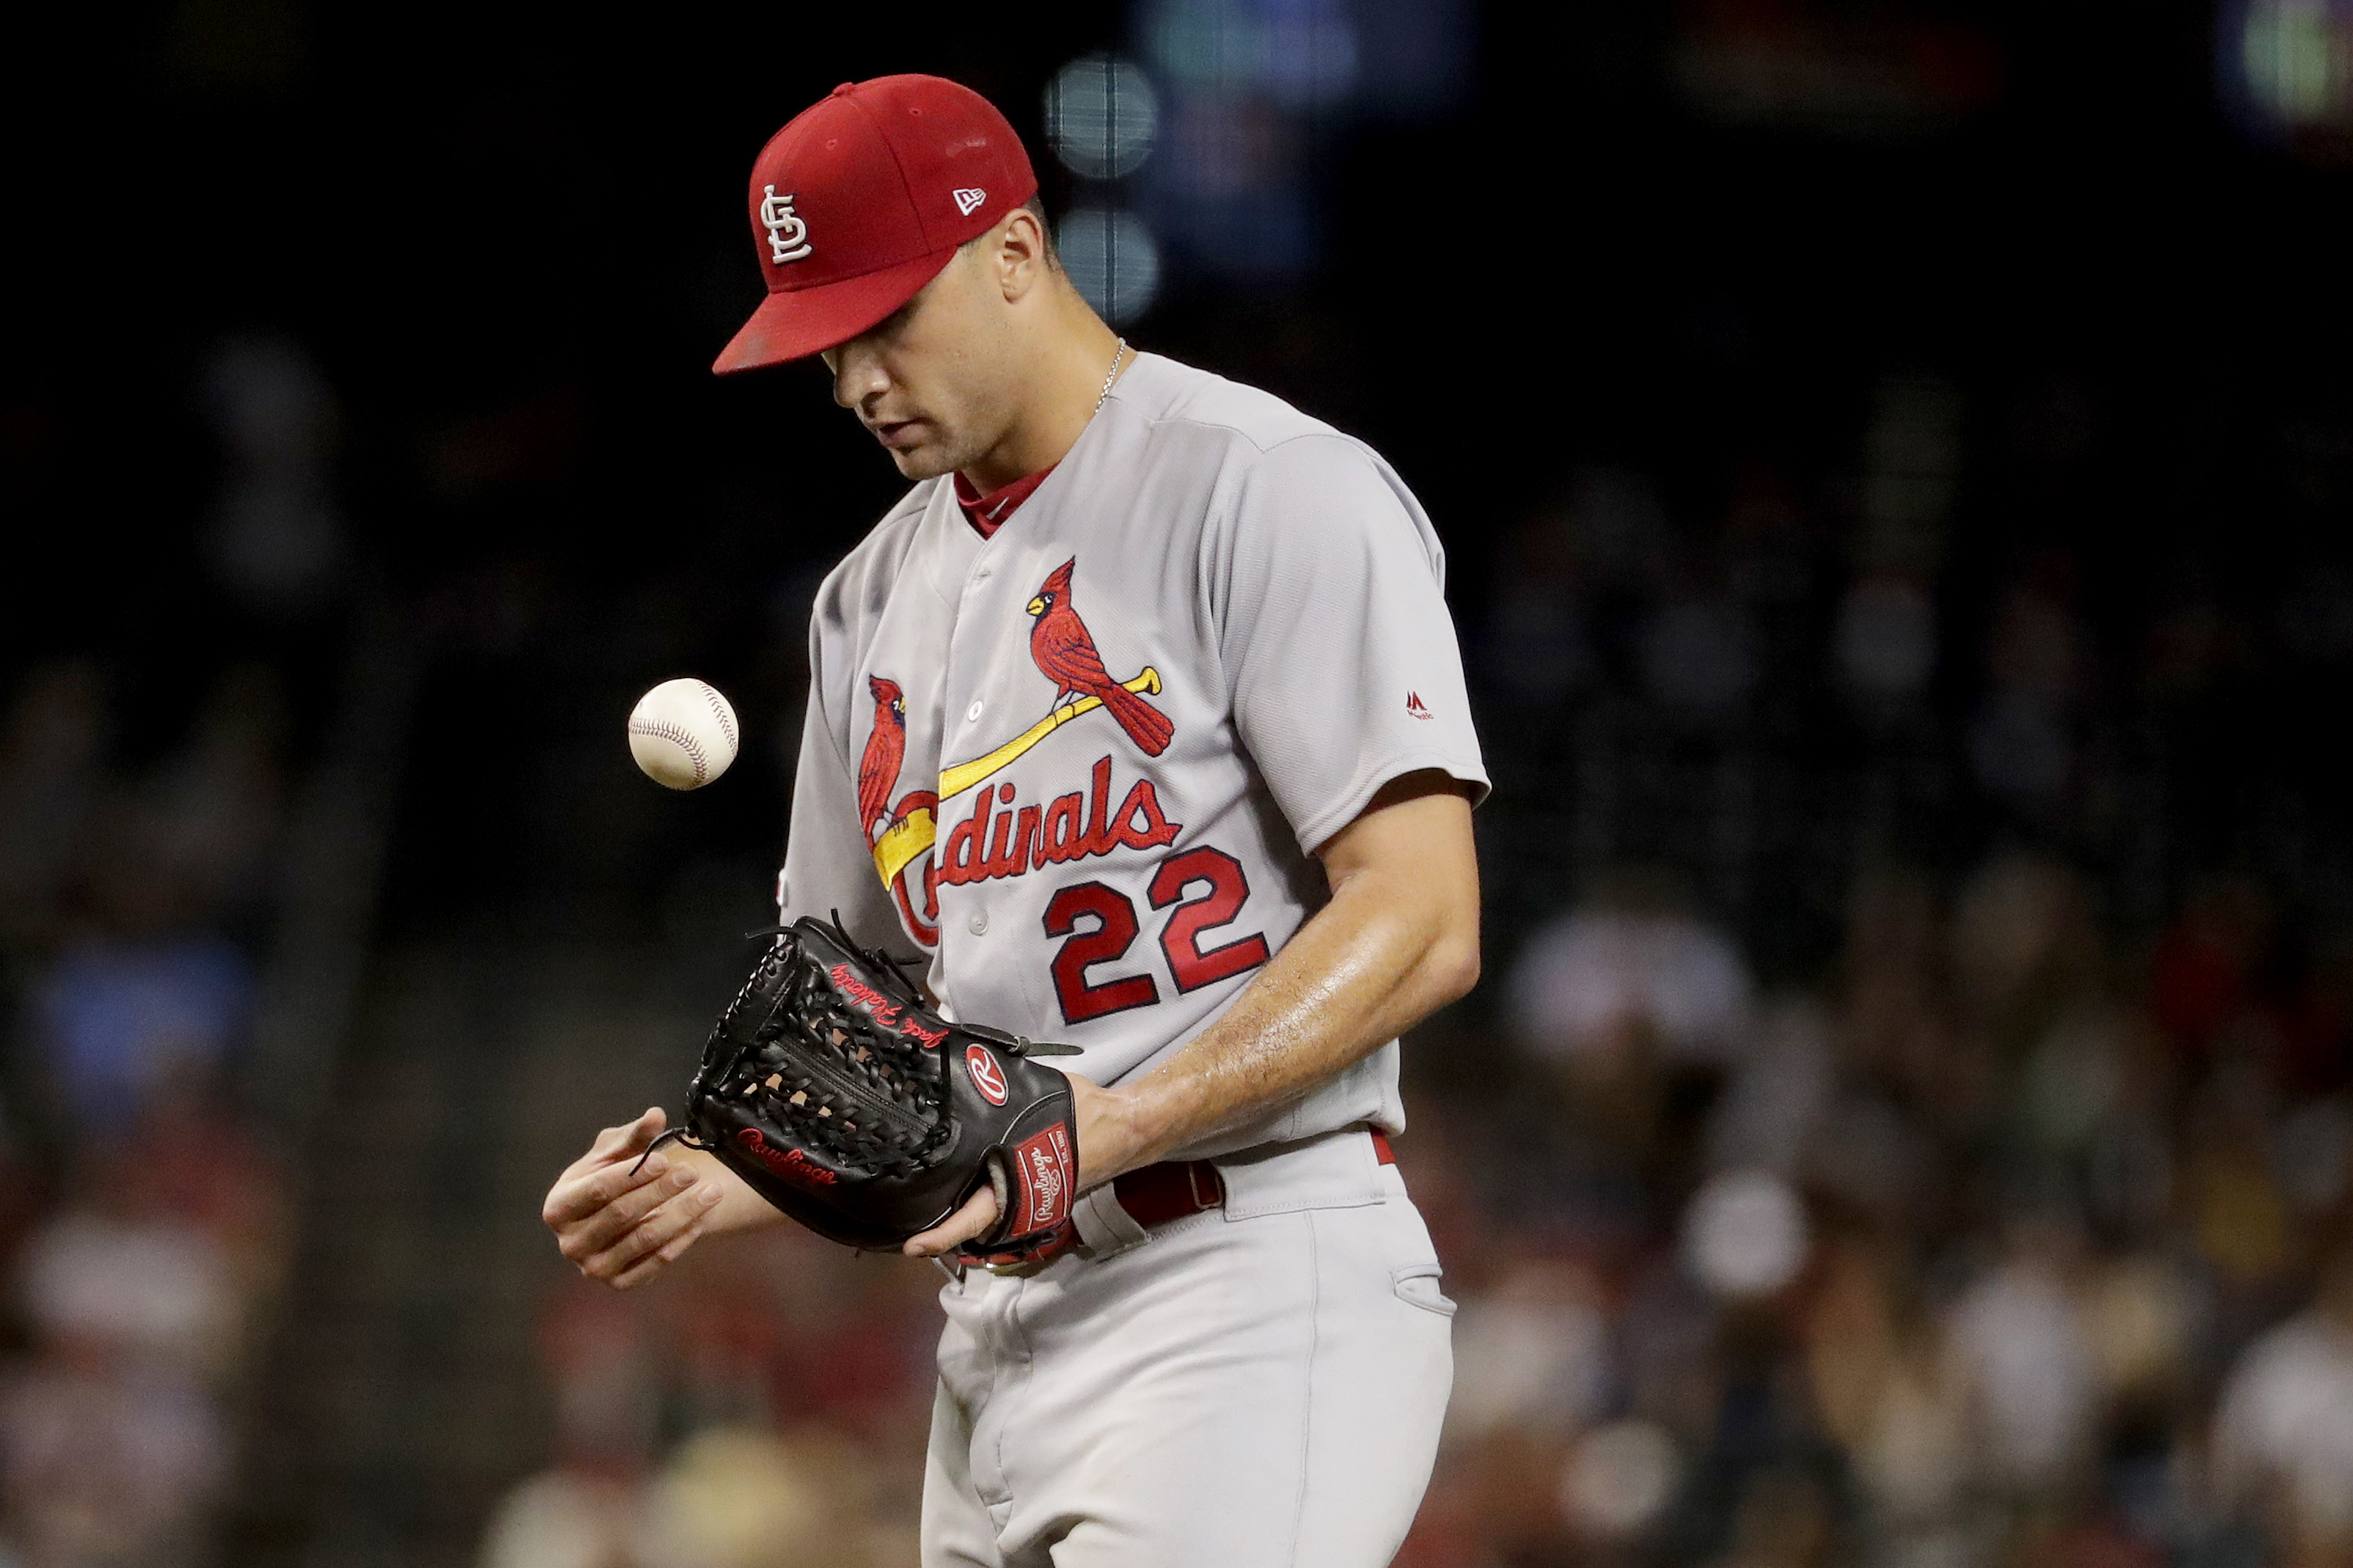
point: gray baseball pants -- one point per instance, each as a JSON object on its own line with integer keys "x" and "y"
{"x": 1256, "y": 1386}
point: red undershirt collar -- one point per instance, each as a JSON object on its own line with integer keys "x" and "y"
{"x": 986, "y": 513}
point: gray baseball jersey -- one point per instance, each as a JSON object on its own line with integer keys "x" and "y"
{"x": 1084, "y": 764}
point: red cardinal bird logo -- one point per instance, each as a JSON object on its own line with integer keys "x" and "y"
{"x": 878, "y": 776}
{"x": 886, "y": 747}
{"x": 1063, "y": 649}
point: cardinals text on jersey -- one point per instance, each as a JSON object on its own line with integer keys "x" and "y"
{"x": 1076, "y": 824}
{"x": 1091, "y": 753}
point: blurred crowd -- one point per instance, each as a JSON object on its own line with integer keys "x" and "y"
{"x": 141, "y": 1223}
{"x": 1906, "y": 1122}
{"x": 765, "y": 1407}
{"x": 2009, "y": 1244}
{"x": 1923, "y": 1136}
{"x": 1892, "y": 1133}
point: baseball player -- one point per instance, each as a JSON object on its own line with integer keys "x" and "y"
{"x": 1141, "y": 720}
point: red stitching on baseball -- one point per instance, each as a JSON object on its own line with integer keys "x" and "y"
{"x": 662, "y": 730}
{"x": 719, "y": 711}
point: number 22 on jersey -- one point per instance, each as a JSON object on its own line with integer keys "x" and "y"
{"x": 1223, "y": 889}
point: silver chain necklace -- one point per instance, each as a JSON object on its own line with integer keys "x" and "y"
{"x": 1111, "y": 375}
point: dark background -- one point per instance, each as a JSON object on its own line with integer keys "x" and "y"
{"x": 509, "y": 237}
{"x": 1724, "y": 311}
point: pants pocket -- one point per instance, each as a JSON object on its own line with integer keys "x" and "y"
{"x": 1417, "y": 1285}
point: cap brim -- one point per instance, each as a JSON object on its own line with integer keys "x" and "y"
{"x": 793, "y": 323}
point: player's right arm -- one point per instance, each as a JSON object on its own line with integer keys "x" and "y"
{"x": 624, "y": 1222}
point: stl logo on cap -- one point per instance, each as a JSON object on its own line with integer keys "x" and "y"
{"x": 787, "y": 235}
{"x": 897, "y": 173}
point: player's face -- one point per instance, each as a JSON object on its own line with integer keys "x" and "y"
{"x": 927, "y": 382}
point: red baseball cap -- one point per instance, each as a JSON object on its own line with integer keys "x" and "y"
{"x": 861, "y": 201}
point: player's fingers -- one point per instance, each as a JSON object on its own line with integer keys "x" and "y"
{"x": 585, "y": 1235}
{"x": 648, "y": 1234}
{"x": 631, "y": 1138}
{"x": 584, "y": 1196}
{"x": 625, "y": 1141}
{"x": 976, "y": 1218}
{"x": 654, "y": 1262}
{"x": 578, "y": 1198}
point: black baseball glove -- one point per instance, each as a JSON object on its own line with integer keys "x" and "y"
{"x": 848, "y": 1104}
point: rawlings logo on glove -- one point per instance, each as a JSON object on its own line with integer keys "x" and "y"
{"x": 789, "y": 1164}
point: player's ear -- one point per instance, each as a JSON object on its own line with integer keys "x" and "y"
{"x": 1021, "y": 253}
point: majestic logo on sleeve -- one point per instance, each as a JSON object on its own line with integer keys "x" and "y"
{"x": 1012, "y": 841}
{"x": 787, "y": 235}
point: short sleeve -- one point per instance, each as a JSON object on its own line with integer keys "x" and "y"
{"x": 1341, "y": 659}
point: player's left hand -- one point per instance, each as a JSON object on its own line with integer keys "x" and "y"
{"x": 1106, "y": 1149}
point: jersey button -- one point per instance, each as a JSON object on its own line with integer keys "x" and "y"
{"x": 979, "y": 923}
{"x": 971, "y": 714}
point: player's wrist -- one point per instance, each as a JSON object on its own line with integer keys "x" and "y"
{"x": 740, "y": 1208}
{"x": 1120, "y": 1129}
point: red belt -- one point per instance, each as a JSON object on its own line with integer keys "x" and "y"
{"x": 1176, "y": 1188}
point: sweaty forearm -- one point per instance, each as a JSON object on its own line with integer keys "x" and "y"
{"x": 1377, "y": 960}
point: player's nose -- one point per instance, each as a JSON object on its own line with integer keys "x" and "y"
{"x": 857, "y": 378}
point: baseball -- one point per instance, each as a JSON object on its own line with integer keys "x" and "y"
{"x": 682, "y": 733}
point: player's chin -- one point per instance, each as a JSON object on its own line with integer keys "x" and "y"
{"x": 926, "y": 461}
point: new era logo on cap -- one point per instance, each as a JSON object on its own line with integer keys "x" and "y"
{"x": 862, "y": 199}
